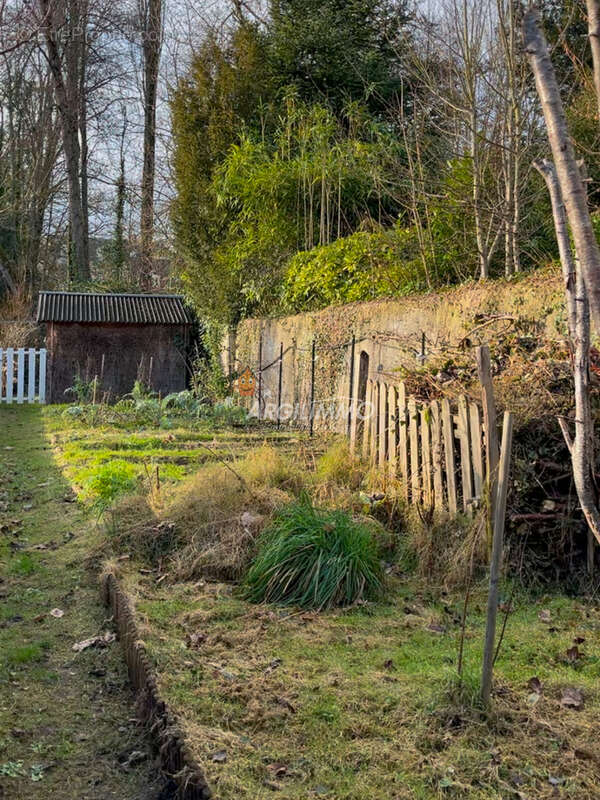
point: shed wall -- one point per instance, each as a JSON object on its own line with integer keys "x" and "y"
{"x": 78, "y": 349}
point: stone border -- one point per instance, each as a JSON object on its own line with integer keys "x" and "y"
{"x": 175, "y": 758}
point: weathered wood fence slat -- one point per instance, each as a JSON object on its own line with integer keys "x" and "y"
{"x": 22, "y": 375}
{"x": 435, "y": 449}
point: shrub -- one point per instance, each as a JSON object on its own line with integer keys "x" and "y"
{"x": 314, "y": 558}
{"x": 362, "y": 266}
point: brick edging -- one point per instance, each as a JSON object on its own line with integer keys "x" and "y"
{"x": 175, "y": 757}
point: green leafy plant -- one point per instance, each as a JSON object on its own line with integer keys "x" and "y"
{"x": 83, "y": 390}
{"x": 314, "y": 558}
{"x": 109, "y": 482}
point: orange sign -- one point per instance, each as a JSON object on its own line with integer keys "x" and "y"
{"x": 245, "y": 383}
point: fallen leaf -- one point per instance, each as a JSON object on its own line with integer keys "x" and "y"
{"x": 195, "y": 639}
{"x": 277, "y": 769}
{"x": 573, "y": 654}
{"x": 57, "y": 612}
{"x": 435, "y": 628}
{"x": 572, "y": 698}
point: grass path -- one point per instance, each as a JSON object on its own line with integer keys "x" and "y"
{"x": 66, "y": 719}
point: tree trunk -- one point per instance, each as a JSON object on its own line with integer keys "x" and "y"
{"x": 68, "y": 109}
{"x": 593, "y": 11}
{"x": 152, "y": 33}
{"x": 569, "y": 178}
{"x": 581, "y": 447}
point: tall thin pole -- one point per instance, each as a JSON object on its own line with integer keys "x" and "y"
{"x": 312, "y": 389}
{"x": 260, "y": 347}
{"x": 491, "y": 432}
{"x": 496, "y": 562}
{"x": 280, "y": 383}
{"x": 351, "y": 391}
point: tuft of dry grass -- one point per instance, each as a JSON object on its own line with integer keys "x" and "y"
{"x": 448, "y": 550}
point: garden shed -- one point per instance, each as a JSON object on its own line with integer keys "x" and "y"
{"x": 118, "y": 338}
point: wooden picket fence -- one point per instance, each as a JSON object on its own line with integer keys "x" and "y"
{"x": 436, "y": 449}
{"x": 22, "y": 375}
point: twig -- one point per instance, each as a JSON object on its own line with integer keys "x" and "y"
{"x": 504, "y": 621}
{"x": 225, "y": 464}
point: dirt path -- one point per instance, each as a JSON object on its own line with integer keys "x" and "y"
{"x": 66, "y": 719}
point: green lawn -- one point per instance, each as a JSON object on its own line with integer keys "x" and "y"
{"x": 66, "y": 719}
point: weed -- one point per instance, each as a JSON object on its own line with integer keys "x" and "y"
{"x": 24, "y": 564}
{"x": 108, "y": 483}
{"x": 314, "y": 558}
{"x": 339, "y": 466}
{"x": 12, "y": 769}
{"x": 26, "y": 654}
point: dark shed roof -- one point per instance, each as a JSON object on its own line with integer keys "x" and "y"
{"x": 134, "y": 309}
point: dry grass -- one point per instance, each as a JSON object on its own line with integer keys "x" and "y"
{"x": 207, "y": 525}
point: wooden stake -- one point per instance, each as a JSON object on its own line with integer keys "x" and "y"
{"x": 279, "y": 384}
{"x": 426, "y": 457}
{"x": 392, "y": 430}
{"x": 465, "y": 455}
{"x": 448, "y": 433}
{"x": 413, "y": 429}
{"x": 496, "y": 561}
{"x": 491, "y": 431}
{"x": 403, "y": 439}
{"x": 476, "y": 450}
{"x": 374, "y": 422}
{"x": 260, "y": 348}
{"x": 351, "y": 409}
{"x": 436, "y": 446}
{"x": 312, "y": 388}
{"x": 367, "y": 419}
{"x": 383, "y": 390}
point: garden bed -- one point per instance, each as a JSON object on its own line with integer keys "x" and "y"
{"x": 365, "y": 702}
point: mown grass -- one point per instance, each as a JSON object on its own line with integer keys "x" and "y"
{"x": 64, "y": 717}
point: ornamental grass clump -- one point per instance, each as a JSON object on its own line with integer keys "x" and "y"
{"x": 314, "y": 558}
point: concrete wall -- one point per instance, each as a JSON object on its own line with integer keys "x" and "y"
{"x": 390, "y": 332}
{"x": 75, "y": 348}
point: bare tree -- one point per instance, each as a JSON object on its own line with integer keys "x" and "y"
{"x": 567, "y": 170}
{"x": 66, "y": 21}
{"x": 564, "y": 181}
{"x": 150, "y": 17}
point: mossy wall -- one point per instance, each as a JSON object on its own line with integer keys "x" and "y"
{"x": 391, "y": 331}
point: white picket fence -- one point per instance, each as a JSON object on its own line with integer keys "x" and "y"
{"x": 22, "y": 375}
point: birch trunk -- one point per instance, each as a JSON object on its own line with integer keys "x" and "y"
{"x": 581, "y": 446}
{"x": 593, "y": 12}
{"x": 569, "y": 178}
